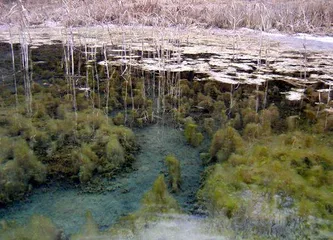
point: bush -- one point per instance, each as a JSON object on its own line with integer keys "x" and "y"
{"x": 39, "y": 227}
{"x": 288, "y": 165}
{"x": 268, "y": 118}
{"x": 173, "y": 165}
{"x": 209, "y": 126}
{"x": 225, "y": 142}
{"x": 114, "y": 151}
{"x": 249, "y": 116}
{"x": 252, "y": 131}
{"x": 158, "y": 199}
{"x": 89, "y": 230}
{"x": 87, "y": 162}
{"x": 18, "y": 171}
{"x": 119, "y": 119}
{"x": 192, "y": 136}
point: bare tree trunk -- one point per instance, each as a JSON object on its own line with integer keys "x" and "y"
{"x": 257, "y": 98}
{"x": 71, "y": 45}
{"x": 108, "y": 82}
{"x": 26, "y": 75}
{"x": 14, "y": 70}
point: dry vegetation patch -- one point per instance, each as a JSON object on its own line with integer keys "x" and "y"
{"x": 284, "y": 15}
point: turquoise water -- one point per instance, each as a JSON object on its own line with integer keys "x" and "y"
{"x": 67, "y": 207}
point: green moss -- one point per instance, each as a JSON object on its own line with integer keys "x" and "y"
{"x": 174, "y": 171}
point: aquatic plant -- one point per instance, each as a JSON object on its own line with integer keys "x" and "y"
{"x": 287, "y": 166}
{"x": 19, "y": 169}
{"x": 269, "y": 118}
{"x": 209, "y": 126}
{"x": 225, "y": 142}
{"x": 192, "y": 136}
{"x": 86, "y": 161}
{"x": 158, "y": 199}
{"x": 292, "y": 122}
{"x": 174, "y": 171}
{"x": 205, "y": 102}
{"x": 114, "y": 151}
{"x": 219, "y": 112}
{"x": 119, "y": 119}
{"x": 89, "y": 230}
{"x": 154, "y": 204}
{"x": 38, "y": 227}
{"x": 252, "y": 131}
{"x": 211, "y": 89}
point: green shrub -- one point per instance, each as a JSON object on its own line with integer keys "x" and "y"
{"x": 174, "y": 171}
{"x": 219, "y": 112}
{"x": 6, "y": 146}
{"x": 33, "y": 169}
{"x": 192, "y": 136}
{"x": 249, "y": 116}
{"x": 268, "y": 118}
{"x": 218, "y": 193}
{"x": 119, "y": 119}
{"x": 20, "y": 126}
{"x": 87, "y": 162}
{"x": 225, "y": 142}
{"x": 89, "y": 230}
{"x": 125, "y": 135}
{"x": 211, "y": 89}
{"x": 252, "y": 131}
{"x": 20, "y": 169}
{"x": 63, "y": 109}
{"x": 292, "y": 122}
{"x": 236, "y": 122}
{"x": 287, "y": 165}
{"x": 158, "y": 199}
{"x": 39, "y": 227}
{"x": 205, "y": 102}
{"x": 114, "y": 151}
{"x": 95, "y": 119}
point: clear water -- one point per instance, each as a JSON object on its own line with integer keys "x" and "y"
{"x": 67, "y": 207}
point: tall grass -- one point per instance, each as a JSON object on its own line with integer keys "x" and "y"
{"x": 284, "y": 15}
